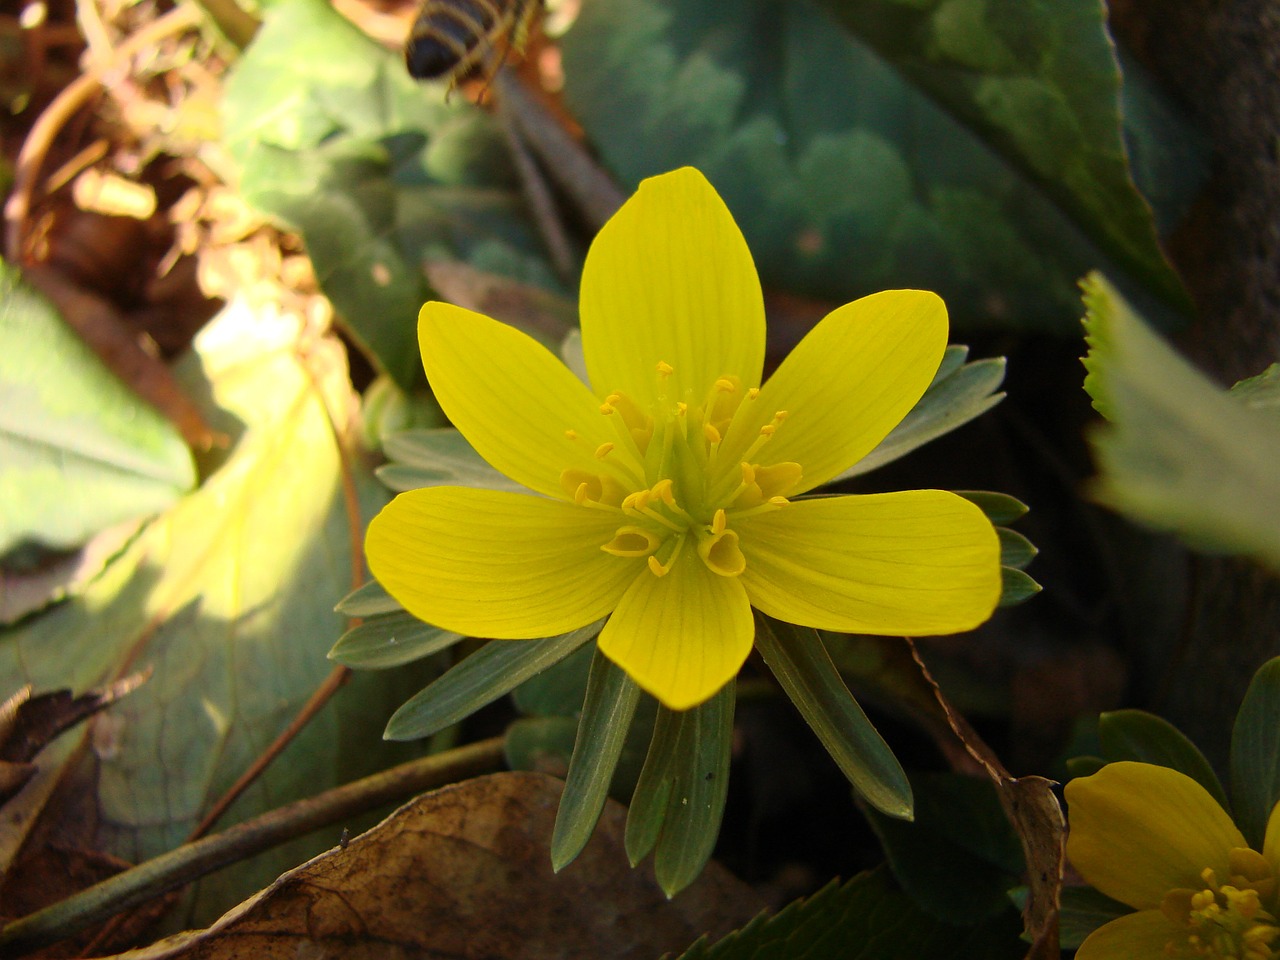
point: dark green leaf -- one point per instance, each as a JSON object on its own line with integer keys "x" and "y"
{"x": 558, "y": 690}
{"x": 960, "y": 830}
{"x": 390, "y": 640}
{"x": 868, "y": 918}
{"x": 695, "y": 805}
{"x": 495, "y": 669}
{"x": 1000, "y": 508}
{"x": 1016, "y": 587}
{"x": 804, "y": 669}
{"x": 1015, "y": 550}
{"x": 1179, "y": 453}
{"x": 1138, "y": 735}
{"x": 368, "y": 600}
{"x": 1084, "y": 766}
{"x": 958, "y": 394}
{"x": 653, "y": 789}
{"x": 607, "y": 713}
{"x": 1255, "y": 753}
{"x": 849, "y": 173}
{"x": 1084, "y": 910}
{"x": 79, "y": 451}
{"x": 541, "y": 744}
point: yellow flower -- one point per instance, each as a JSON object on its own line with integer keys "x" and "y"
{"x": 1156, "y": 840}
{"x": 664, "y": 495}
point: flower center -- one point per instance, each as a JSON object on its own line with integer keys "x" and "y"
{"x": 1226, "y": 920}
{"x": 665, "y": 475}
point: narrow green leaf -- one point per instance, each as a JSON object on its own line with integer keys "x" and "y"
{"x": 649, "y": 800}
{"x": 79, "y": 451}
{"x": 1000, "y": 508}
{"x": 1255, "y": 753}
{"x": 1261, "y": 392}
{"x": 441, "y": 457}
{"x": 1180, "y": 454}
{"x": 390, "y": 640}
{"x": 368, "y": 600}
{"x": 1138, "y": 735}
{"x": 1016, "y": 587}
{"x": 607, "y": 712}
{"x": 695, "y": 805}
{"x": 867, "y": 918}
{"x": 1015, "y": 550}
{"x": 962, "y": 394}
{"x": 804, "y": 669}
{"x": 953, "y": 359}
{"x": 496, "y": 668}
{"x": 1084, "y": 910}
{"x": 541, "y": 744}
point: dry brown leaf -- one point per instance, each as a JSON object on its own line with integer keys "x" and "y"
{"x": 463, "y": 873}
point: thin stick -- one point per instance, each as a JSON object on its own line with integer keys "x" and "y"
{"x": 194, "y": 860}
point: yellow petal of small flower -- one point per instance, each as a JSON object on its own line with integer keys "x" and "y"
{"x": 681, "y": 636}
{"x": 512, "y": 399}
{"x": 848, "y": 383}
{"x": 1139, "y": 830}
{"x": 916, "y": 563}
{"x": 1271, "y": 840}
{"x": 1136, "y": 936}
{"x": 487, "y": 563}
{"x": 670, "y": 280}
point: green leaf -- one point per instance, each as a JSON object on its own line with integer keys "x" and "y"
{"x": 436, "y": 458}
{"x": 1261, "y": 392}
{"x": 1016, "y": 587}
{"x": 1179, "y": 454}
{"x": 1138, "y": 735}
{"x": 695, "y": 805}
{"x": 850, "y": 170}
{"x": 1040, "y": 85}
{"x": 1255, "y": 753}
{"x": 228, "y": 598}
{"x": 607, "y": 712}
{"x": 1000, "y": 508}
{"x": 541, "y": 744}
{"x": 379, "y": 174}
{"x": 1015, "y": 550}
{"x": 367, "y": 600}
{"x": 390, "y": 640}
{"x": 1084, "y": 766}
{"x": 868, "y": 918}
{"x": 558, "y": 690}
{"x": 959, "y": 393}
{"x": 805, "y": 671}
{"x": 960, "y": 830}
{"x": 79, "y": 451}
{"x": 1084, "y": 910}
{"x": 495, "y": 669}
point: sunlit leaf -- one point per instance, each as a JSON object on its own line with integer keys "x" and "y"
{"x": 228, "y": 598}
{"x": 434, "y": 458}
{"x": 367, "y": 600}
{"x": 390, "y": 640}
{"x": 79, "y": 451}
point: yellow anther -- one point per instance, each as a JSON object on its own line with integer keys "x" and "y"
{"x": 753, "y": 392}
{"x": 779, "y": 501}
{"x": 748, "y": 472}
{"x": 603, "y": 450}
{"x": 571, "y": 434}
{"x": 710, "y": 433}
{"x": 682, "y": 409}
{"x": 768, "y": 430}
{"x": 719, "y": 522}
{"x": 665, "y": 369}
{"x": 613, "y": 398}
{"x": 657, "y": 569}
{"x": 725, "y": 385}
{"x": 606, "y": 408}
{"x": 580, "y": 495}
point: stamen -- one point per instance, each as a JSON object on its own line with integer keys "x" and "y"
{"x": 632, "y": 541}
{"x": 603, "y": 450}
{"x": 665, "y": 369}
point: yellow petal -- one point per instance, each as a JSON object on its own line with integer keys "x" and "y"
{"x": 1136, "y": 936}
{"x": 1271, "y": 840}
{"x": 847, "y": 384}
{"x": 915, "y": 563}
{"x": 1139, "y": 830}
{"x": 682, "y": 636}
{"x": 510, "y": 397}
{"x": 488, "y": 563}
{"x": 669, "y": 278}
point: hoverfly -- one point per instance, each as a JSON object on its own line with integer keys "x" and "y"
{"x": 450, "y": 38}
